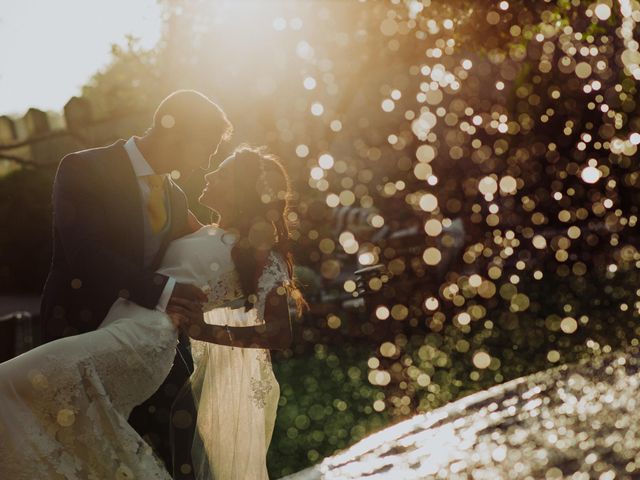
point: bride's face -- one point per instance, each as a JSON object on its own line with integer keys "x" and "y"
{"x": 217, "y": 193}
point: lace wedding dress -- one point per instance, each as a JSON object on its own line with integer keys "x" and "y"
{"x": 64, "y": 405}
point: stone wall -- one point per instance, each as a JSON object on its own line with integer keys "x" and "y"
{"x": 33, "y": 139}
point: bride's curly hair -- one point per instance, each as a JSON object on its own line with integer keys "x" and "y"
{"x": 261, "y": 200}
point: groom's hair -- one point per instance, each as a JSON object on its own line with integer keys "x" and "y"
{"x": 192, "y": 113}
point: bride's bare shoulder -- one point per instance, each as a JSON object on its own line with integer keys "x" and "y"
{"x": 225, "y": 236}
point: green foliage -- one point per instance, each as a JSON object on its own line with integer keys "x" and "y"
{"x": 130, "y": 83}
{"x": 325, "y": 406}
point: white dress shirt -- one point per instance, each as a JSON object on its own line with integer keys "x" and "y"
{"x": 142, "y": 168}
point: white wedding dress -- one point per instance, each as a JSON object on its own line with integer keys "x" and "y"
{"x": 64, "y": 405}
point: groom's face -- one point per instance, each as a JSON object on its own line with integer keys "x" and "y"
{"x": 195, "y": 154}
{"x": 219, "y": 184}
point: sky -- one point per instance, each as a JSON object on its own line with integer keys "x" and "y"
{"x": 50, "y": 48}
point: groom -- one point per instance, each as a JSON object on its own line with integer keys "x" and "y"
{"x": 115, "y": 210}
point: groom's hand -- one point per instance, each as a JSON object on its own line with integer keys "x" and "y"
{"x": 187, "y": 316}
{"x": 184, "y": 291}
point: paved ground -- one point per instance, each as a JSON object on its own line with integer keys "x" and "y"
{"x": 575, "y": 421}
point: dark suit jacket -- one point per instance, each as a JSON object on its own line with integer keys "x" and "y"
{"x": 98, "y": 234}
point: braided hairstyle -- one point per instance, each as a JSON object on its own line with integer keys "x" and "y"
{"x": 261, "y": 203}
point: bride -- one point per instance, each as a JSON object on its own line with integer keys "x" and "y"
{"x": 65, "y": 404}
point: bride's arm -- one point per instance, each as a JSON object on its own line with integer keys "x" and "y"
{"x": 274, "y": 334}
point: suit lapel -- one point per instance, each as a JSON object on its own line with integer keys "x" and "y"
{"x": 178, "y": 213}
{"x": 127, "y": 202}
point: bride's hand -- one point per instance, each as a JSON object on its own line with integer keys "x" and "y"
{"x": 187, "y": 316}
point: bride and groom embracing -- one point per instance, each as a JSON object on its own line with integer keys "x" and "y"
{"x": 119, "y": 391}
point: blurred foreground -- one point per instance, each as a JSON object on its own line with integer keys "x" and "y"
{"x": 574, "y": 421}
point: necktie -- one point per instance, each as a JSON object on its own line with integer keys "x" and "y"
{"x": 155, "y": 203}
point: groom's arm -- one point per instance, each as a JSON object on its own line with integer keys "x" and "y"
{"x": 79, "y": 219}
